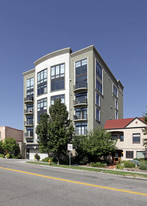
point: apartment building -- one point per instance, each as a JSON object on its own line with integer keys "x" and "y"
{"x": 82, "y": 81}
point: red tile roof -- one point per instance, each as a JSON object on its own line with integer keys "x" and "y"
{"x": 119, "y": 123}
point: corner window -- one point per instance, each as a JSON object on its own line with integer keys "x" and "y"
{"x": 97, "y": 114}
{"x": 81, "y": 73}
{"x": 129, "y": 154}
{"x": 99, "y": 86}
{"x": 53, "y": 98}
{"x": 30, "y": 87}
{"x": 41, "y": 107}
{"x": 136, "y": 138}
{"x": 97, "y": 99}
{"x": 115, "y": 90}
{"x": 98, "y": 70}
{"x": 81, "y": 128}
{"x": 42, "y": 82}
{"x": 57, "y": 77}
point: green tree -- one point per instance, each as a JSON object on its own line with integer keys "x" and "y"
{"x": 1, "y": 148}
{"x": 145, "y": 129}
{"x": 55, "y": 131}
{"x": 99, "y": 143}
{"x": 10, "y": 146}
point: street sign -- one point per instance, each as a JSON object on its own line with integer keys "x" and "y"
{"x": 69, "y": 147}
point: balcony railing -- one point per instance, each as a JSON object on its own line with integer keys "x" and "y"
{"x": 80, "y": 101}
{"x": 81, "y": 85}
{"x": 28, "y": 111}
{"x": 29, "y": 98}
{"x": 29, "y": 123}
{"x": 29, "y": 135}
{"x": 80, "y": 117}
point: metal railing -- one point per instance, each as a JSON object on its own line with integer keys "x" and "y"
{"x": 80, "y": 101}
{"x": 80, "y": 85}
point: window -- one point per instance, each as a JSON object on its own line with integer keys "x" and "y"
{"x": 42, "y": 82}
{"x": 81, "y": 113}
{"x": 99, "y": 86}
{"x": 62, "y": 97}
{"x": 98, "y": 70}
{"x": 114, "y": 137}
{"x": 81, "y": 97}
{"x": 81, "y": 128}
{"x": 41, "y": 107}
{"x": 140, "y": 154}
{"x": 97, "y": 99}
{"x": 57, "y": 77}
{"x": 30, "y": 132}
{"x": 129, "y": 154}
{"x": 97, "y": 114}
{"x": 81, "y": 73}
{"x": 121, "y": 138}
{"x": 136, "y": 138}
{"x": 114, "y": 90}
{"x": 116, "y": 114}
{"x": 29, "y": 119}
{"x": 30, "y": 87}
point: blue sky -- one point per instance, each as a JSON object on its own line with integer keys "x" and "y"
{"x": 30, "y": 29}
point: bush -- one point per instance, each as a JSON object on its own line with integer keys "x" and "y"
{"x": 120, "y": 166}
{"x": 97, "y": 164}
{"x": 7, "y": 155}
{"x": 2, "y": 155}
{"x": 129, "y": 164}
{"x": 46, "y": 159}
{"x": 143, "y": 166}
{"x": 37, "y": 157}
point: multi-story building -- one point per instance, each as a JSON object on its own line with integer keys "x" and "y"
{"x": 82, "y": 81}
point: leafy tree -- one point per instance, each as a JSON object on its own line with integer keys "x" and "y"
{"x": 10, "y": 146}
{"x": 145, "y": 129}
{"x": 1, "y": 148}
{"x": 99, "y": 143}
{"x": 55, "y": 130}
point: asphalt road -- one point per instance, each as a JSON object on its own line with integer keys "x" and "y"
{"x": 24, "y": 184}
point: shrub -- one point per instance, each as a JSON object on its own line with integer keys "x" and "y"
{"x": 129, "y": 164}
{"x": 46, "y": 159}
{"x": 143, "y": 166}
{"x": 97, "y": 164}
{"x": 37, "y": 157}
{"x": 7, "y": 155}
{"x": 120, "y": 166}
{"x": 2, "y": 155}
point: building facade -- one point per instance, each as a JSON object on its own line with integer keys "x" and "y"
{"x": 82, "y": 81}
{"x": 129, "y": 136}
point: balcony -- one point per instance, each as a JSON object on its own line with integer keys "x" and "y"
{"x": 29, "y": 135}
{"x": 29, "y": 123}
{"x": 80, "y": 117}
{"x": 80, "y": 101}
{"x": 28, "y": 111}
{"x": 80, "y": 86}
{"x": 29, "y": 99}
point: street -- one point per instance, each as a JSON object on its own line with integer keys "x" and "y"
{"x": 34, "y": 185}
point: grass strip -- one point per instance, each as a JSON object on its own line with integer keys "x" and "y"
{"x": 123, "y": 173}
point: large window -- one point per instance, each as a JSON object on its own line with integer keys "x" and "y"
{"x": 81, "y": 97}
{"x": 81, "y": 113}
{"x": 41, "y": 107}
{"x": 136, "y": 138}
{"x": 129, "y": 154}
{"x": 99, "y": 86}
{"x": 30, "y": 87}
{"x": 62, "y": 97}
{"x": 97, "y": 99}
{"x": 57, "y": 77}
{"x": 81, "y": 128}
{"x": 29, "y": 120}
{"x": 114, "y": 90}
{"x": 98, "y": 70}
{"x": 81, "y": 73}
{"x": 42, "y": 82}
{"x": 30, "y": 132}
{"x": 97, "y": 114}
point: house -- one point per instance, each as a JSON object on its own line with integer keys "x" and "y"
{"x": 6, "y": 132}
{"x": 129, "y": 136}
{"x": 82, "y": 81}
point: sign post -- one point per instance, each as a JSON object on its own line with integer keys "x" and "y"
{"x": 69, "y": 148}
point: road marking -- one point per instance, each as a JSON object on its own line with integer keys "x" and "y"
{"x": 76, "y": 182}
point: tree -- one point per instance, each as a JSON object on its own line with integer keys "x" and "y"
{"x": 145, "y": 129}
{"x": 99, "y": 143}
{"x": 55, "y": 131}
{"x": 1, "y": 148}
{"x": 10, "y": 146}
